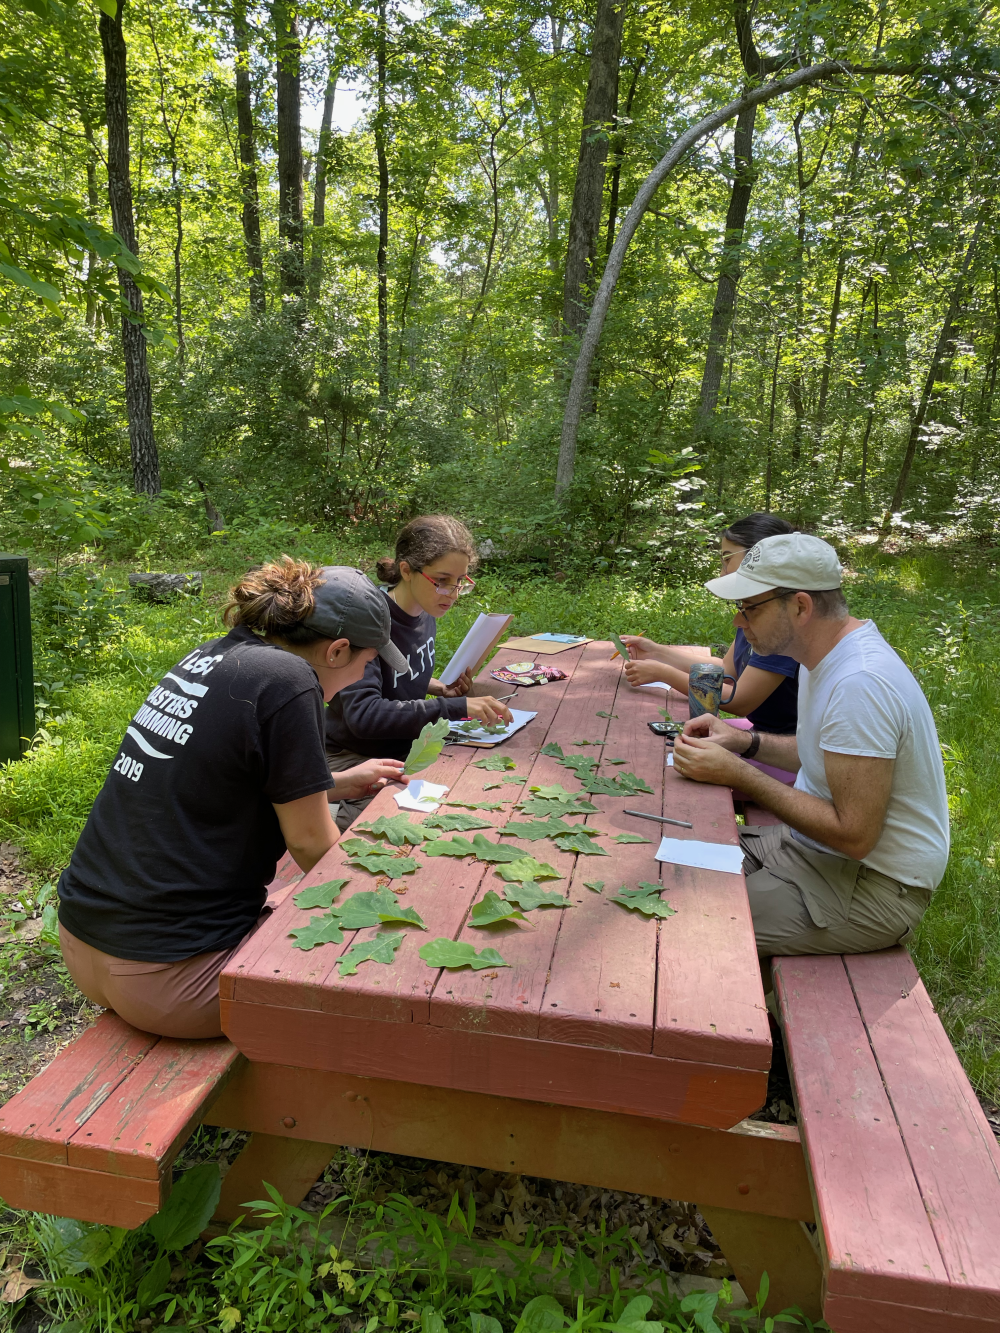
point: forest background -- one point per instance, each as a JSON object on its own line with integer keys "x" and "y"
{"x": 596, "y": 275}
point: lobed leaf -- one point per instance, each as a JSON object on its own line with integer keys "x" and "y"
{"x": 579, "y": 842}
{"x": 381, "y": 949}
{"x": 528, "y": 896}
{"x": 458, "y": 953}
{"x": 645, "y": 899}
{"x": 456, "y": 823}
{"x": 527, "y": 868}
{"x": 319, "y": 895}
{"x": 496, "y": 763}
{"x": 428, "y": 745}
{"x": 491, "y": 909}
{"x": 630, "y": 837}
{"x": 396, "y": 829}
{"x": 320, "y": 930}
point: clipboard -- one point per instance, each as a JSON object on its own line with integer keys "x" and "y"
{"x": 460, "y": 659}
{"x": 539, "y": 647}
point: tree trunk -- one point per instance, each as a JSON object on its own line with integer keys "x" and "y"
{"x": 290, "y": 202}
{"x": 729, "y": 268}
{"x": 93, "y": 202}
{"x": 319, "y": 186}
{"x": 138, "y": 393}
{"x": 770, "y": 424}
{"x": 618, "y": 148}
{"x": 945, "y": 344}
{"x": 248, "y": 160}
{"x": 381, "y": 122}
{"x": 599, "y": 110}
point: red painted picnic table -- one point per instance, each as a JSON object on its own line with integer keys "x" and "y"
{"x": 600, "y": 1008}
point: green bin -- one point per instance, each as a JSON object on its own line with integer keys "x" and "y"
{"x": 17, "y": 682}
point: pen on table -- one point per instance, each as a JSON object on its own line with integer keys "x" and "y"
{"x": 616, "y": 653}
{"x": 660, "y": 819}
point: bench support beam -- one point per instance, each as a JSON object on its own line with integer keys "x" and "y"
{"x": 291, "y": 1166}
{"x": 755, "y": 1245}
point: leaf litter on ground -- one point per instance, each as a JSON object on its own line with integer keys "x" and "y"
{"x": 319, "y": 895}
{"x": 458, "y": 953}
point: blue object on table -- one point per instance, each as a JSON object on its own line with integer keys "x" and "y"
{"x": 560, "y": 638}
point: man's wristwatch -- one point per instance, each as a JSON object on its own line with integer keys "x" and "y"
{"x": 753, "y": 747}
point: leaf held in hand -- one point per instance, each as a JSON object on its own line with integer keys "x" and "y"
{"x": 622, "y": 650}
{"x": 456, "y": 823}
{"x": 428, "y": 745}
{"x": 645, "y": 899}
{"x": 491, "y": 909}
{"x": 458, "y": 953}
{"x": 496, "y": 763}
{"x": 320, "y": 930}
{"x": 630, "y": 837}
{"x": 527, "y": 868}
{"x": 396, "y": 829}
{"x": 579, "y": 842}
{"x": 319, "y": 895}
{"x": 381, "y": 949}
{"x": 528, "y": 896}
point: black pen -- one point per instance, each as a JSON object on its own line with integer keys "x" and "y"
{"x": 660, "y": 819}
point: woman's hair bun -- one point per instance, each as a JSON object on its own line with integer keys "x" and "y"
{"x": 424, "y": 540}
{"x": 273, "y": 600}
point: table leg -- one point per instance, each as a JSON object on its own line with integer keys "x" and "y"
{"x": 292, "y": 1166}
{"x": 755, "y": 1244}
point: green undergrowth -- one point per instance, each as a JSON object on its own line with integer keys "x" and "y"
{"x": 944, "y": 619}
{"x": 356, "y": 1267}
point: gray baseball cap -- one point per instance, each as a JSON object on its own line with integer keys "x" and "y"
{"x": 349, "y": 606}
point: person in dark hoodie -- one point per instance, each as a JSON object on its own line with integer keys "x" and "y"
{"x": 382, "y": 713}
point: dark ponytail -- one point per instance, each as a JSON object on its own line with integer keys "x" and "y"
{"x": 425, "y": 540}
{"x": 747, "y": 532}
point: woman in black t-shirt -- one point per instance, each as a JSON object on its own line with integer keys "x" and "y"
{"x": 220, "y": 770}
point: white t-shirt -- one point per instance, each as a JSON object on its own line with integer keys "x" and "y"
{"x": 861, "y": 699}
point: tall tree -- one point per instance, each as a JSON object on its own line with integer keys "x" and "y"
{"x": 319, "y": 183}
{"x": 600, "y": 108}
{"x": 138, "y": 391}
{"x": 291, "y": 224}
{"x": 382, "y": 258}
{"x": 248, "y": 159}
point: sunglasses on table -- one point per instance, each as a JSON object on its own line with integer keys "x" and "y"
{"x": 447, "y": 588}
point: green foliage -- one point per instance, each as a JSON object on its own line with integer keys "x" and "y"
{"x": 526, "y": 868}
{"x": 455, "y": 823}
{"x": 319, "y": 895}
{"x": 479, "y": 846}
{"x": 497, "y": 763}
{"x": 630, "y": 837}
{"x": 528, "y": 896}
{"x": 374, "y": 908}
{"x": 579, "y": 842}
{"x": 396, "y": 829}
{"x": 645, "y": 899}
{"x": 596, "y": 885}
{"x": 491, "y": 909}
{"x": 428, "y": 745}
{"x": 320, "y": 930}
{"x": 457, "y": 953}
{"x": 380, "y": 862}
{"x": 76, "y": 616}
{"x": 381, "y": 949}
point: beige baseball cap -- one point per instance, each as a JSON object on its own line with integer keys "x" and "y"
{"x": 791, "y": 560}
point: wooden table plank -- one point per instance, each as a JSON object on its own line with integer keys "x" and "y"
{"x": 39, "y": 1121}
{"x": 950, "y": 1146}
{"x": 602, "y": 990}
{"x": 509, "y": 1000}
{"x": 877, "y": 1237}
{"x": 138, "y": 1129}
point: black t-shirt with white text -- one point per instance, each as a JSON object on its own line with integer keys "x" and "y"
{"x": 183, "y": 838}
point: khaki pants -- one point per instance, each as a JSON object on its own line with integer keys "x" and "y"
{"x": 340, "y": 761}
{"x": 808, "y": 902}
{"x": 178, "y": 999}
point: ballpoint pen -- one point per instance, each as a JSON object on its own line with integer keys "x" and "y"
{"x": 660, "y": 819}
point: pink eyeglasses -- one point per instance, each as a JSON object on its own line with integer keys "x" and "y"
{"x": 459, "y": 589}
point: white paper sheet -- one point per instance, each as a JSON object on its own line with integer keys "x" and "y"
{"x": 654, "y": 685}
{"x": 521, "y": 719}
{"x": 484, "y": 630}
{"x": 701, "y": 855}
{"x": 670, "y": 760}
{"x": 420, "y": 795}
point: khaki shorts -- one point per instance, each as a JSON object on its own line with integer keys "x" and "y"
{"x": 340, "y": 761}
{"x": 808, "y": 902}
{"x": 178, "y": 999}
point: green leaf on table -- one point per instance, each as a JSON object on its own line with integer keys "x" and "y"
{"x": 320, "y": 930}
{"x": 632, "y": 785}
{"x": 579, "y": 842}
{"x": 428, "y": 745}
{"x": 568, "y": 805}
{"x": 496, "y": 763}
{"x": 555, "y": 791}
{"x": 645, "y": 899}
{"x": 596, "y": 885}
{"x": 614, "y": 761}
{"x": 491, "y": 909}
{"x": 601, "y": 713}
{"x": 582, "y": 766}
{"x": 381, "y": 949}
{"x": 363, "y": 909}
{"x": 449, "y": 847}
{"x": 517, "y": 780}
{"x": 490, "y": 786}
{"x": 528, "y": 896}
{"x": 456, "y": 823}
{"x": 535, "y": 829}
{"x": 319, "y": 895}
{"x": 379, "y": 863}
{"x": 475, "y": 805}
{"x": 598, "y": 786}
{"x": 479, "y": 847}
{"x": 457, "y": 953}
{"x": 491, "y": 851}
{"x": 622, "y": 650}
{"x": 630, "y": 837}
{"x": 588, "y": 742}
{"x": 553, "y": 750}
{"x": 396, "y": 829}
{"x": 525, "y": 868}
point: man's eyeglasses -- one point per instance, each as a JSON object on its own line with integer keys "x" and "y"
{"x": 744, "y": 608}
{"x": 448, "y": 589}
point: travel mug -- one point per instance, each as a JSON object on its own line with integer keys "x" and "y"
{"x": 705, "y": 682}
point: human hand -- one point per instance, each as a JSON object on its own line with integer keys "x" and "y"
{"x": 461, "y": 687}
{"x": 643, "y": 673}
{"x": 709, "y": 727}
{"x": 637, "y": 646}
{"x": 489, "y": 710}
{"x": 704, "y": 761}
{"x": 366, "y": 779}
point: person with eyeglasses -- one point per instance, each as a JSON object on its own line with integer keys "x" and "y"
{"x": 385, "y": 710}
{"x": 864, "y": 837}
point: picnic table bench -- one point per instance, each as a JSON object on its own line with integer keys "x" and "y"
{"x": 615, "y": 1051}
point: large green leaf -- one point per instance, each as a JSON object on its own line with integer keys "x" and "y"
{"x": 457, "y": 953}
{"x": 644, "y": 899}
{"x": 526, "y": 868}
{"x": 630, "y": 837}
{"x": 456, "y": 823}
{"x": 189, "y": 1209}
{"x": 320, "y": 930}
{"x": 579, "y": 842}
{"x": 319, "y": 895}
{"x": 598, "y": 786}
{"x": 622, "y": 650}
{"x": 580, "y": 764}
{"x": 568, "y": 805}
{"x": 528, "y": 896}
{"x": 396, "y": 829}
{"x": 378, "y": 863}
{"x": 381, "y": 949}
{"x": 496, "y": 763}
{"x": 428, "y": 745}
{"x": 536, "y": 828}
{"x": 477, "y": 805}
{"x": 375, "y": 907}
{"x": 633, "y": 784}
{"x": 553, "y": 750}
{"x": 491, "y": 909}
{"x": 479, "y": 847}
{"x": 362, "y": 846}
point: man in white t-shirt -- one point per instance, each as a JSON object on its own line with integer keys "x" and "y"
{"x": 864, "y": 838}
